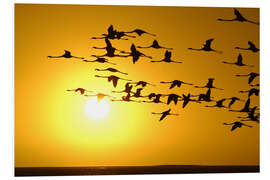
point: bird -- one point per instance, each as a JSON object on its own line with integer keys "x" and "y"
{"x": 236, "y": 124}
{"x": 173, "y": 97}
{"x": 81, "y": 90}
{"x": 251, "y": 116}
{"x": 252, "y": 91}
{"x": 167, "y": 58}
{"x": 99, "y": 96}
{"x": 209, "y": 84}
{"x": 142, "y": 83}
{"x": 186, "y": 99}
{"x": 126, "y": 99}
{"x": 113, "y": 34}
{"x": 251, "y": 75}
{"x": 137, "y": 93}
{"x": 239, "y": 17}
{"x": 204, "y": 97}
{"x": 206, "y": 46}
{"x": 112, "y": 78}
{"x": 156, "y": 98}
{"x": 111, "y": 70}
{"x": 174, "y": 83}
{"x": 239, "y": 61}
{"x": 135, "y": 54}
{"x": 140, "y": 32}
{"x": 127, "y": 89}
{"x": 155, "y": 45}
{"x": 233, "y": 99}
{"x": 99, "y": 60}
{"x": 219, "y": 103}
{"x": 150, "y": 96}
{"x": 251, "y": 47}
{"x": 164, "y": 114}
{"x": 67, "y": 54}
{"x": 246, "y": 107}
{"x": 108, "y": 45}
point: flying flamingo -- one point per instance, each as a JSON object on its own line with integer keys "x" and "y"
{"x": 233, "y": 100}
{"x": 251, "y": 75}
{"x": 209, "y": 84}
{"x": 251, "y": 47}
{"x": 137, "y": 94}
{"x": 99, "y": 60}
{"x": 111, "y": 70}
{"x": 218, "y": 104}
{"x": 164, "y": 114}
{"x": 135, "y": 54}
{"x": 81, "y": 90}
{"x": 239, "y": 62}
{"x": 112, "y": 78}
{"x": 252, "y": 91}
{"x": 239, "y": 17}
{"x": 173, "y": 97}
{"x": 142, "y": 83}
{"x": 246, "y": 107}
{"x": 155, "y": 45}
{"x": 156, "y": 98}
{"x": 167, "y": 58}
{"x": 236, "y": 124}
{"x": 126, "y": 99}
{"x": 66, "y": 55}
{"x": 174, "y": 83}
{"x": 204, "y": 97}
{"x": 127, "y": 89}
{"x": 206, "y": 46}
{"x": 187, "y": 99}
{"x": 140, "y": 32}
{"x": 251, "y": 116}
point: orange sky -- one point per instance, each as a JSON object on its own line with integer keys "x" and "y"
{"x": 51, "y": 127}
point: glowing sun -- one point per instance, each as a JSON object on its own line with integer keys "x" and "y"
{"x": 96, "y": 110}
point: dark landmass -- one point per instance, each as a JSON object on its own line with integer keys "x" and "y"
{"x": 124, "y": 170}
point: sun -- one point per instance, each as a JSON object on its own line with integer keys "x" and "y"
{"x": 96, "y": 110}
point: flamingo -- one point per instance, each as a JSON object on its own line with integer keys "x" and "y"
{"x": 135, "y": 54}
{"x": 239, "y": 17}
{"x": 142, "y": 83}
{"x": 155, "y": 45}
{"x": 164, "y": 114}
{"x": 99, "y": 96}
{"x": 81, "y": 90}
{"x": 174, "y": 83}
{"x": 205, "y": 97}
{"x": 251, "y": 75}
{"x": 236, "y": 124}
{"x": 111, "y": 70}
{"x": 187, "y": 99}
{"x": 138, "y": 93}
{"x": 251, "y": 116}
{"x": 113, "y": 34}
{"x": 99, "y": 60}
{"x": 167, "y": 58}
{"x": 251, "y": 47}
{"x": 140, "y": 32}
{"x": 206, "y": 46}
{"x": 127, "y": 89}
{"x": 173, "y": 97}
{"x": 112, "y": 78}
{"x": 209, "y": 84}
{"x": 233, "y": 99}
{"x": 218, "y": 104}
{"x": 156, "y": 100}
{"x": 126, "y": 99}
{"x": 246, "y": 107}
{"x": 239, "y": 61}
{"x": 252, "y": 91}
{"x": 67, "y": 54}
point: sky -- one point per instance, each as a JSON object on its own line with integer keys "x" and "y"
{"x": 51, "y": 126}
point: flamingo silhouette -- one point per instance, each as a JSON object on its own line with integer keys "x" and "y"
{"x": 99, "y": 60}
{"x": 108, "y": 46}
{"x": 167, "y": 58}
{"x": 112, "y": 78}
{"x": 110, "y": 50}
{"x": 233, "y": 100}
{"x": 99, "y": 96}
{"x": 126, "y": 99}
{"x": 140, "y": 32}
{"x": 251, "y": 47}
{"x": 111, "y": 70}
{"x": 205, "y": 97}
{"x": 151, "y": 95}
{"x": 155, "y": 45}
{"x": 127, "y": 89}
{"x": 239, "y": 17}
{"x": 174, "y": 83}
{"x": 251, "y": 75}
{"x": 81, "y": 90}
{"x": 67, "y": 54}
{"x": 156, "y": 98}
{"x": 236, "y": 124}
{"x": 251, "y": 116}
{"x": 239, "y": 61}
{"x": 252, "y": 91}
{"x": 218, "y": 104}
{"x": 135, "y": 54}
{"x": 142, "y": 83}
{"x": 113, "y": 34}
{"x": 164, "y": 114}
{"x": 137, "y": 94}
{"x": 246, "y": 107}
{"x": 172, "y": 97}
{"x": 187, "y": 99}
{"x": 206, "y": 46}
{"x": 209, "y": 84}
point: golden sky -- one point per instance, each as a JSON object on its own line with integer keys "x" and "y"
{"x": 51, "y": 126}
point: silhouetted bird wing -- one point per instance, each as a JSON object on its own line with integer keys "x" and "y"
{"x": 168, "y": 54}
{"x": 208, "y": 42}
{"x": 238, "y": 14}
{"x": 240, "y": 59}
{"x": 234, "y": 127}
